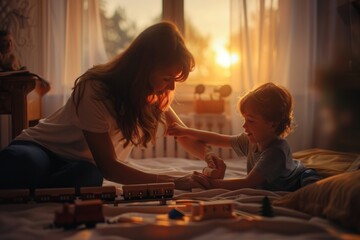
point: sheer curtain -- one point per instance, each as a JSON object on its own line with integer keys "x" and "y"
{"x": 73, "y": 43}
{"x": 276, "y": 41}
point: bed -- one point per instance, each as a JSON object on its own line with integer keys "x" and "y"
{"x": 329, "y": 210}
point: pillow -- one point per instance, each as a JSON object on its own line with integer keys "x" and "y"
{"x": 336, "y": 198}
{"x": 327, "y": 162}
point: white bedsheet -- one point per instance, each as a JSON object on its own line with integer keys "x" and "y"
{"x": 32, "y": 221}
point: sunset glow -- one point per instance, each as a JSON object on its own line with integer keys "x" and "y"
{"x": 224, "y": 58}
{"x": 207, "y": 37}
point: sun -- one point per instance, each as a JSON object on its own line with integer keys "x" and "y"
{"x": 224, "y": 58}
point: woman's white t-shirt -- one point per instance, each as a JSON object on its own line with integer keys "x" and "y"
{"x": 62, "y": 133}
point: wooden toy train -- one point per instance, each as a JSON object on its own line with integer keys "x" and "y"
{"x": 151, "y": 191}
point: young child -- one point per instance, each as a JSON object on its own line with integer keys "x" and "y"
{"x": 268, "y": 114}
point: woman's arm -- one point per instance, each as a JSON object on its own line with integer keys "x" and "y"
{"x": 104, "y": 155}
{"x": 191, "y": 145}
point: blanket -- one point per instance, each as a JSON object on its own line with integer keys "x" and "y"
{"x": 150, "y": 220}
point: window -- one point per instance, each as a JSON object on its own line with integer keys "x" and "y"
{"x": 207, "y": 33}
{"x": 123, "y": 20}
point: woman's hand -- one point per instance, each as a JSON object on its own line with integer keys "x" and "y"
{"x": 202, "y": 180}
{"x": 187, "y": 182}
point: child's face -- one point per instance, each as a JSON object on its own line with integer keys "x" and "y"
{"x": 164, "y": 80}
{"x": 257, "y": 128}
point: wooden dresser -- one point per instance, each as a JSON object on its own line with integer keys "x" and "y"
{"x": 20, "y": 97}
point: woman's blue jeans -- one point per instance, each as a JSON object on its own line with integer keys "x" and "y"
{"x": 25, "y": 164}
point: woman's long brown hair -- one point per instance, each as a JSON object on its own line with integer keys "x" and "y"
{"x": 126, "y": 81}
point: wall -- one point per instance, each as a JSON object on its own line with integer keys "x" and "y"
{"x": 338, "y": 75}
{"x": 24, "y": 19}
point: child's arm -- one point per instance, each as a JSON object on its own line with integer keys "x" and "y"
{"x": 216, "y": 166}
{"x": 253, "y": 180}
{"x": 207, "y": 137}
{"x": 191, "y": 145}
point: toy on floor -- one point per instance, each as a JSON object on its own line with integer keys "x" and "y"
{"x": 147, "y": 192}
{"x": 108, "y": 194}
{"x": 198, "y": 210}
{"x": 87, "y": 212}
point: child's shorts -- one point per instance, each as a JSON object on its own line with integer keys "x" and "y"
{"x": 309, "y": 176}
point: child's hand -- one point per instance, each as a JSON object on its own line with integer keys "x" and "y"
{"x": 176, "y": 129}
{"x": 216, "y": 166}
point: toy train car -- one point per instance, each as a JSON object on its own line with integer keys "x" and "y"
{"x": 15, "y": 196}
{"x": 148, "y": 191}
{"x": 104, "y": 193}
{"x": 40, "y": 195}
{"x": 81, "y": 212}
{"x": 213, "y": 209}
{"x": 54, "y": 195}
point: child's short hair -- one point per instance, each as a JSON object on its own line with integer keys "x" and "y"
{"x": 274, "y": 103}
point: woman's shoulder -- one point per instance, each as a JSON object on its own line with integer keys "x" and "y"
{"x": 92, "y": 87}
{"x": 95, "y": 83}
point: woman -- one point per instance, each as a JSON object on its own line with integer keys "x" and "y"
{"x": 113, "y": 107}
